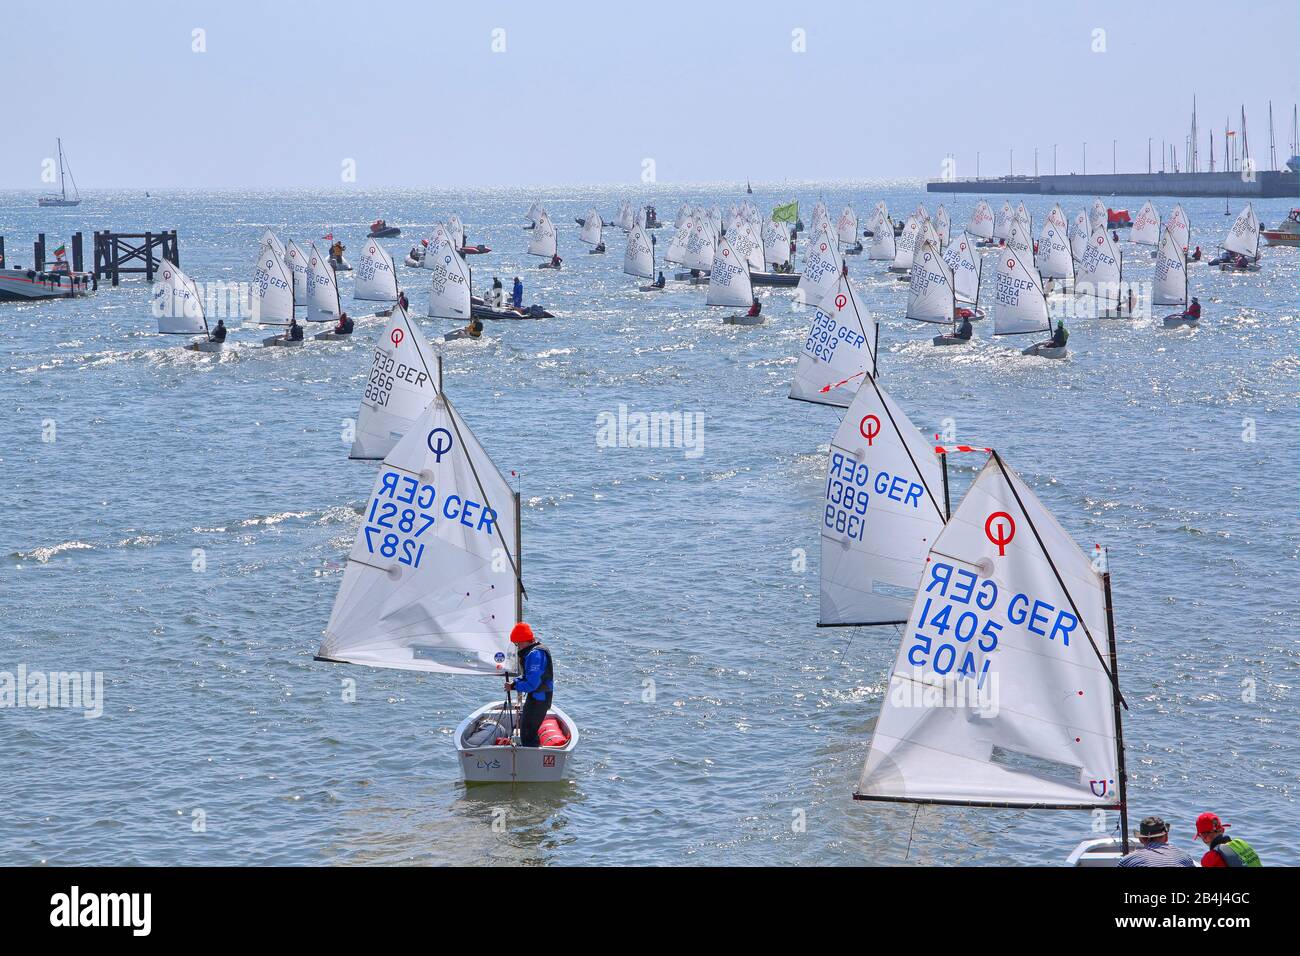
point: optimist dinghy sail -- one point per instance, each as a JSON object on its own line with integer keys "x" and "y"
{"x": 942, "y": 226}
{"x": 274, "y": 240}
{"x": 1146, "y": 227}
{"x": 1054, "y": 260}
{"x": 1170, "y": 286}
{"x": 1098, "y": 218}
{"x": 375, "y": 277}
{"x": 729, "y": 282}
{"x": 543, "y": 241}
{"x": 846, "y": 227}
{"x": 885, "y": 505}
{"x": 930, "y": 297}
{"x": 273, "y": 298}
{"x": 676, "y": 251}
{"x": 457, "y": 230}
{"x": 1020, "y": 307}
{"x": 1005, "y": 689}
{"x": 295, "y": 259}
{"x": 400, "y": 386}
{"x": 840, "y": 349}
{"x": 426, "y": 588}
{"x": 981, "y": 221}
{"x": 699, "y": 247}
{"x": 966, "y": 267}
{"x": 1243, "y": 237}
{"x": 905, "y": 246}
{"x": 592, "y": 228}
{"x": 322, "y": 289}
{"x": 1002, "y": 224}
{"x": 1100, "y": 270}
{"x": 1079, "y": 236}
{"x": 776, "y": 243}
{"x": 1181, "y": 227}
{"x": 821, "y": 268}
{"x": 177, "y": 304}
{"x": 883, "y": 247}
{"x": 449, "y": 286}
{"x": 639, "y": 257}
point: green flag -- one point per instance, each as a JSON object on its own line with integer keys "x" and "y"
{"x": 787, "y": 213}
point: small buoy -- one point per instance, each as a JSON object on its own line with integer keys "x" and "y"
{"x": 550, "y": 734}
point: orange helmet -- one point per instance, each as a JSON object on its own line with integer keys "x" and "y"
{"x": 521, "y": 633}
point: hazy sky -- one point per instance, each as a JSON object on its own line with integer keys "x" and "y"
{"x": 414, "y": 94}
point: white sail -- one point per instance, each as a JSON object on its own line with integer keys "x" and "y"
{"x": 375, "y": 277}
{"x": 177, "y": 304}
{"x": 440, "y": 235}
{"x": 846, "y": 227}
{"x": 592, "y": 227}
{"x": 295, "y": 259}
{"x": 747, "y": 244}
{"x": 776, "y": 243}
{"x": 1146, "y": 227}
{"x": 1243, "y": 237}
{"x": 999, "y": 695}
{"x": 1100, "y": 269}
{"x": 729, "y": 278}
{"x": 638, "y": 258}
{"x": 322, "y": 289}
{"x": 1020, "y": 241}
{"x": 1018, "y": 296}
{"x": 883, "y": 247}
{"x": 942, "y": 226}
{"x": 884, "y": 508}
{"x": 627, "y": 217}
{"x": 543, "y": 241}
{"x": 1002, "y": 224}
{"x": 1170, "y": 286}
{"x": 398, "y": 389}
{"x": 699, "y": 247}
{"x": 1098, "y": 217}
{"x": 1079, "y": 235}
{"x": 535, "y": 211}
{"x": 1054, "y": 260}
{"x": 981, "y": 221}
{"x": 449, "y": 286}
{"x": 820, "y": 217}
{"x": 905, "y": 245}
{"x": 457, "y": 230}
{"x": 273, "y": 299}
{"x": 1181, "y": 227}
{"x": 821, "y": 268}
{"x": 1057, "y": 218}
{"x": 965, "y": 266}
{"x": 1025, "y": 220}
{"x": 930, "y": 297}
{"x": 676, "y": 251}
{"x": 430, "y": 580}
{"x": 839, "y": 350}
{"x": 274, "y": 240}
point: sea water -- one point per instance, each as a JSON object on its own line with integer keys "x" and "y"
{"x": 177, "y": 523}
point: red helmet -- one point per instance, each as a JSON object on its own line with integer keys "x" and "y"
{"x": 521, "y": 633}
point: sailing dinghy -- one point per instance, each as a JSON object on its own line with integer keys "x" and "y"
{"x": 433, "y": 583}
{"x": 1170, "y": 285}
{"x": 273, "y": 294}
{"x": 323, "y": 303}
{"x": 931, "y": 296}
{"x": 905, "y": 246}
{"x": 543, "y": 241}
{"x": 1243, "y": 240}
{"x": 1005, "y": 691}
{"x": 981, "y": 223}
{"x": 729, "y": 284}
{"x": 822, "y": 267}
{"x": 840, "y": 349}
{"x": 1021, "y": 306}
{"x": 967, "y": 270}
{"x": 592, "y": 230}
{"x": 639, "y": 256}
{"x": 375, "y": 276}
{"x": 449, "y": 287}
{"x": 1100, "y": 271}
{"x": 178, "y": 307}
{"x": 1146, "y": 227}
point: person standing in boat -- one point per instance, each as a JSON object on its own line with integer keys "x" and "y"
{"x": 219, "y": 333}
{"x": 1156, "y": 849}
{"x": 498, "y": 293}
{"x": 517, "y": 294}
{"x": 1223, "y": 850}
{"x": 536, "y": 683}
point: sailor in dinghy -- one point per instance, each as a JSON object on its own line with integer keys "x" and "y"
{"x": 178, "y": 307}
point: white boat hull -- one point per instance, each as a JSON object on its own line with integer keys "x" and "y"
{"x": 1178, "y": 321}
{"x": 331, "y": 336}
{"x": 203, "y": 345}
{"x": 512, "y": 764}
{"x": 1045, "y": 350}
{"x": 950, "y": 340}
{"x": 279, "y": 341}
{"x": 743, "y": 320}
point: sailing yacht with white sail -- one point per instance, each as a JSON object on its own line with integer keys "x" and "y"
{"x": 434, "y": 583}
{"x": 65, "y": 174}
{"x": 178, "y": 307}
{"x": 1021, "y": 307}
{"x": 400, "y": 386}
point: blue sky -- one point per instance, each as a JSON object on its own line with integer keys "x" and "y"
{"x": 585, "y": 92}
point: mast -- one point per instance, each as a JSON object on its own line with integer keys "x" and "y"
{"x": 1119, "y": 727}
{"x": 1272, "y": 143}
{"x": 519, "y": 558}
{"x": 63, "y": 189}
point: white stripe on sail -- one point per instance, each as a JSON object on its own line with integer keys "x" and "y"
{"x": 375, "y": 277}
{"x": 882, "y": 512}
{"x": 839, "y": 350}
{"x": 430, "y": 580}
{"x": 399, "y": 387}
{"x": 998, "y": 693}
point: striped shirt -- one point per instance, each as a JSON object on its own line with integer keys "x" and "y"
{"x": 1157, "y": 854}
